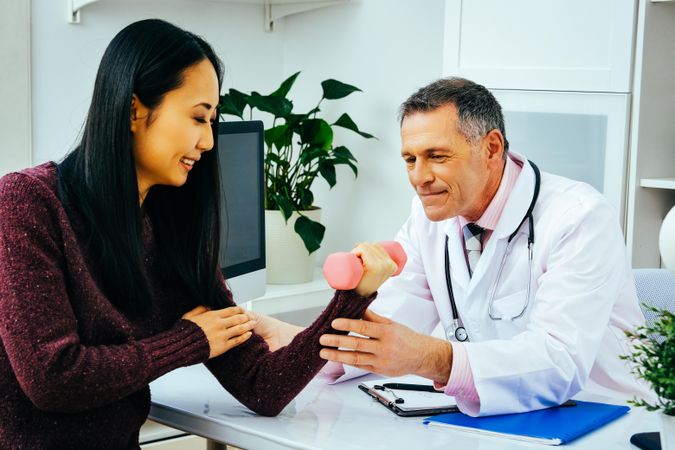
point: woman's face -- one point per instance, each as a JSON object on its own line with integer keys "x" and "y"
{"x": 167, "y": 146}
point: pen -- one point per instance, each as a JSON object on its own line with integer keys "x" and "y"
{"x": 411, "y": 387}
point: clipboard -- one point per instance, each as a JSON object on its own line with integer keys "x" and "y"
{"x": 414, "y": 400}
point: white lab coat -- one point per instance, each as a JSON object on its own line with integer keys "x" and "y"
{"x": 582, "y": 296}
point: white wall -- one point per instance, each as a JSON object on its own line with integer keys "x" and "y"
{"x": 15, "y": 127}
{"x": 386, "y": 48}
{"x": 65, "y": 56}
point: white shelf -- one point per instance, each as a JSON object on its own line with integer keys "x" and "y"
{"x": 658, "y": 183}
{"x": 274, "y": 9}
{"x": 285, "y": 298}
{"x": 74, "y": 7}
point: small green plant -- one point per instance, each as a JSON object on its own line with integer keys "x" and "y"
{"x": 299, "y": 148}
{"x": 653, "y": 358}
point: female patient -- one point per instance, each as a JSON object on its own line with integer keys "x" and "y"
{"x": 108, "y": 261}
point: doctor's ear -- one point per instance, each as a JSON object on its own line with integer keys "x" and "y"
{"x": 493, "y": 142}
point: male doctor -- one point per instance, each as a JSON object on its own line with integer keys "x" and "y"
{"x": 526, "y": 271}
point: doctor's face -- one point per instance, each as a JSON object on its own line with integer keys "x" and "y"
{"x": 450, "y": 175}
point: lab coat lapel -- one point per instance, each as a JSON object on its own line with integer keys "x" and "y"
{"x": 511, "y": 218}
{"x": 518, "y": 202}
{"x": 458, "y": 268}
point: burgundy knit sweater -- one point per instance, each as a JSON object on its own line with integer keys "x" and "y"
{"x": 74, "y": 371}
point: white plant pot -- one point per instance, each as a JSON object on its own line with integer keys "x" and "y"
{"x": 287, "y": 259}
{"x": 667, "y": 432}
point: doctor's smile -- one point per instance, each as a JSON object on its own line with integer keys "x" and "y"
{"x": 433, "y": 196}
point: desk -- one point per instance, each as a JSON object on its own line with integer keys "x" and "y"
{"x": 339, "y": 416}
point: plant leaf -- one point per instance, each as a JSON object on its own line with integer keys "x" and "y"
{"x": 310, "y": 232}
{"x": 354, "y": 169}
{"x": 334, "y": 89}
{"x": 306, "y": 197}
{"x": 286, "y": 86}
{"x": 277, "y": 106}
{"x": 281, "y": 136}
{"x": 316, "y": 132}
{"x": 308, "y": 154}
{"x": 350, "y": 164}
{"x": 233, "y": 103}
{"x": 343, "y": 152}
{"x": 327, "y": 170}
{"x": 272, "y": 157}
{"x": 285, "y": 205}
{"x": 294, "y": 119}
{"x": 345, "y": 121}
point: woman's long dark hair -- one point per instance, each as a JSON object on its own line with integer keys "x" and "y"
{"x": 147, "y": 58}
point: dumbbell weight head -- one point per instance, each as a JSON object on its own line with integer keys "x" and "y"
{"x": 396, "y": 253}
{"x": 344, "y": 270}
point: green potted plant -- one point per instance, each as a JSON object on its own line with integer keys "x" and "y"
{"x": 653, "y": 359}
{"x": 299, "y": 149}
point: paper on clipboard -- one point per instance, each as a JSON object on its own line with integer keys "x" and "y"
{"x": 415, "y": 402}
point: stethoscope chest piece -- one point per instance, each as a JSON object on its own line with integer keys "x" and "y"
{"x": 460, "y": 334}
{"x": 456, "y": 332}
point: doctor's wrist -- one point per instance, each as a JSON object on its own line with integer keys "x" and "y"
{"x": 436, "y": 362}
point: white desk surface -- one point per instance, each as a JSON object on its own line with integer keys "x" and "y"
{"x": 338, "y": 416}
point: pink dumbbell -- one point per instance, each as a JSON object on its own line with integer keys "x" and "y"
{"x": 344, "y": 270}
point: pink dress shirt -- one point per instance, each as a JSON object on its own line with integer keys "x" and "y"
{"x": 461, "y": 384}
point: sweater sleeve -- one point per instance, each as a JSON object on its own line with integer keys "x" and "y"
{"x": 39, "y": 328}
{"x": 250, "y": 371}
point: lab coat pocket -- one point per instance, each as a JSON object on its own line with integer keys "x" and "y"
{"x": 509, "y": 307}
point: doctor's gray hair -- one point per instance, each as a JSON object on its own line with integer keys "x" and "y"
{"x": 478, "y": 110}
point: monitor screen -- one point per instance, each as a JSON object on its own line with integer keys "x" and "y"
{"x": 242, "y": 248}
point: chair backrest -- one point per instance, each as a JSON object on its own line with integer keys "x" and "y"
{"x": 655, "y": 287}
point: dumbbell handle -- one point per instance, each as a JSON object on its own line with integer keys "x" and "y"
{"x": 344, "y": 270}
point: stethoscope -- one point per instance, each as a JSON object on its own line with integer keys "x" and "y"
{"x": 459, "y": 331}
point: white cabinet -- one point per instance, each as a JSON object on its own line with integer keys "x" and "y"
{"x": 570, "y": 45}
{"x": 566, "y": 69}
{"x": 651, "y": 187}
{"x": 562, "y": 72}
{"x": 583, "y": 136}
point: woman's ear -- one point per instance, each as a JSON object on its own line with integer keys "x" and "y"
{"x": 138, "y": 113}
{"x": 134, "y": 113}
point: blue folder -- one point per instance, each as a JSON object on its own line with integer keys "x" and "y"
{"x": 552, "y": 426}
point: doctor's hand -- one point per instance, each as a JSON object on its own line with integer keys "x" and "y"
{"x": 224, "y": 328}
{"x": 390, "y": 349}
{"x": 377, "y": 267}
{"x": 276, "y": 333}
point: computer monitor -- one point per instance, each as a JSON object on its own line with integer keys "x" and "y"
{"x": 242, "y": 248}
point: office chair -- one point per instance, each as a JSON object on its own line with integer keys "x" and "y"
{"x": 655, "y": 287}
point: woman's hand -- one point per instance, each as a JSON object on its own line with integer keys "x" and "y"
{"x": 377, "y": 267}
{"x": 224, "y": 328}
{"x": 276, "y": 333}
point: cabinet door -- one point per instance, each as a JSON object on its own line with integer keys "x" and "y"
{"x": 570, "y": 45}
{"x": 583, "y": 136}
